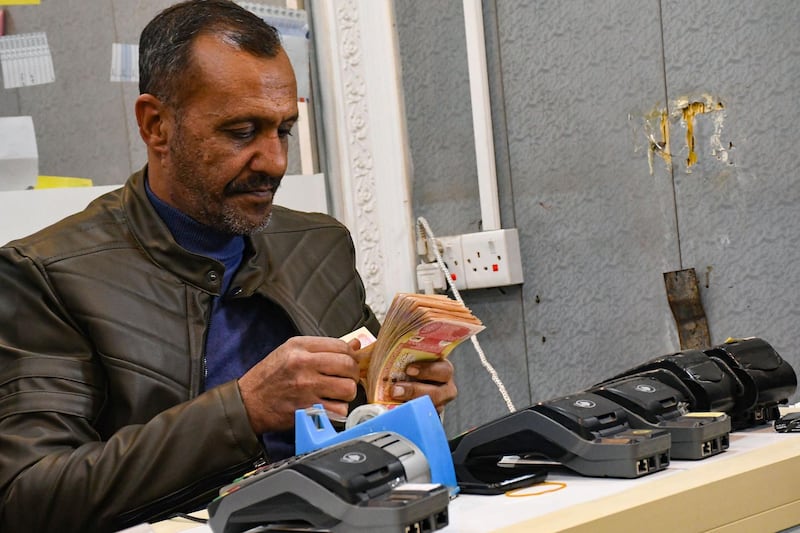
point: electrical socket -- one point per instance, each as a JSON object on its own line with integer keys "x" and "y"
{"x": 482, "y": 259}
{"x": 491, "y": 258}
{"x": 453, "y": 258}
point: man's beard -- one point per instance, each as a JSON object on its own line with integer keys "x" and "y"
{"x": 226, "y": 219}
{"x": 238, "y": 225}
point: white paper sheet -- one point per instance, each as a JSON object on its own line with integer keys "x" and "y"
{"x": 26, "y": 60}
{"x": 124, "y": 62}
{"x": 19, "y": 157}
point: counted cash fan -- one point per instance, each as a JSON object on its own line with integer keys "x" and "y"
{"x": 418, "y": 327}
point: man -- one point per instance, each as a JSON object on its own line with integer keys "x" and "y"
{"x": 156, "y": 345}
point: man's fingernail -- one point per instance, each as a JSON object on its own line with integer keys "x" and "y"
{"x": 412, "y": 371}
{"x": 398, "y": 391}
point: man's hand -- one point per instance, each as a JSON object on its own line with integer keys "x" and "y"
{"x": 434, "y": 378}
{"x": 300, "y": 373}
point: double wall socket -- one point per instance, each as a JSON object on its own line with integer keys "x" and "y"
{"x": 483, "y": 259}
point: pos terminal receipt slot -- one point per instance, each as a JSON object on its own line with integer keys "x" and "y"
{"x": 377, "y": 483}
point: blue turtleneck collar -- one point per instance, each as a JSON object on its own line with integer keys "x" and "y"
{"x": 199, "y": 238}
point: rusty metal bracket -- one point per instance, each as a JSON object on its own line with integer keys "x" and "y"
{"x": 683, "y": 294}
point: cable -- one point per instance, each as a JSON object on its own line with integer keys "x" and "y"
{"x": 189, "y": 517}
{"x": 424, "y": 232}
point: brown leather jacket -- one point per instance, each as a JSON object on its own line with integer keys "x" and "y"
{"x": 103, "y": 319}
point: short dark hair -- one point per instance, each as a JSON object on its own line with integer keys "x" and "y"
{"x": 165, "y": 45}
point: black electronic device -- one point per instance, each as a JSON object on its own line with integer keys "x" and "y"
{"x": 585, "y": 433}
{"x": 656, "y": 405}
{"x": 377, "y": 483}
{"x": 712, "y": 384}
{"x": 788, "y": 423}
{"x": 489, "y": 477}
{"x": 767, "y": 377}
{"x": 744, "y": 378}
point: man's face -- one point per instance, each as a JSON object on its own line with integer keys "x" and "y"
{"x": 229, "y": 140}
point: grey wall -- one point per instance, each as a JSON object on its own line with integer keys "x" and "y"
{"x": 85, "y": 126}
{"x": 577, "y": 89}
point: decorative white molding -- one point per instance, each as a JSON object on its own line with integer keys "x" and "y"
{"x": 366, "y": 148}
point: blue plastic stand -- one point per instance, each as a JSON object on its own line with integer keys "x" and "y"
{"x": 416, "y": 420}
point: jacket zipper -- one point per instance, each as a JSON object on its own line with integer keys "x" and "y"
{"x": 204, "y": 358}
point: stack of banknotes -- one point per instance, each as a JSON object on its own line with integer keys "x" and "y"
{"x": 417, "y": 327}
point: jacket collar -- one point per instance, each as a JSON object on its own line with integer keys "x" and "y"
{"x": 157, "y": 242}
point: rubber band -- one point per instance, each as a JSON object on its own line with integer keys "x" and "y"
{"x": 518, "y": 493}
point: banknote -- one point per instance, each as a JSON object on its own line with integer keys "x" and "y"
{"x": 366, "y": 338}
{"x": 362, "y": 334}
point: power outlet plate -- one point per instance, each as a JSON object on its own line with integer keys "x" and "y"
{"x": 453, "y": 257}
{"x": 483, "y": 259}
{"x": 491, "y": 258}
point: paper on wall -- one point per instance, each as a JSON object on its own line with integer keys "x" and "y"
{"x": 124, "y": 62}
{"x": 26, "y": 60}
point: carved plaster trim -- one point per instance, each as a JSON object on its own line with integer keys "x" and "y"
{"x": 365, "y": 140}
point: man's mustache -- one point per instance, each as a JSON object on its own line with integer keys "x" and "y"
{"x": 255, "y": 182}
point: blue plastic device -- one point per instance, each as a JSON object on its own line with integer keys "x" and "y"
{"x": 416, "y": 420}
